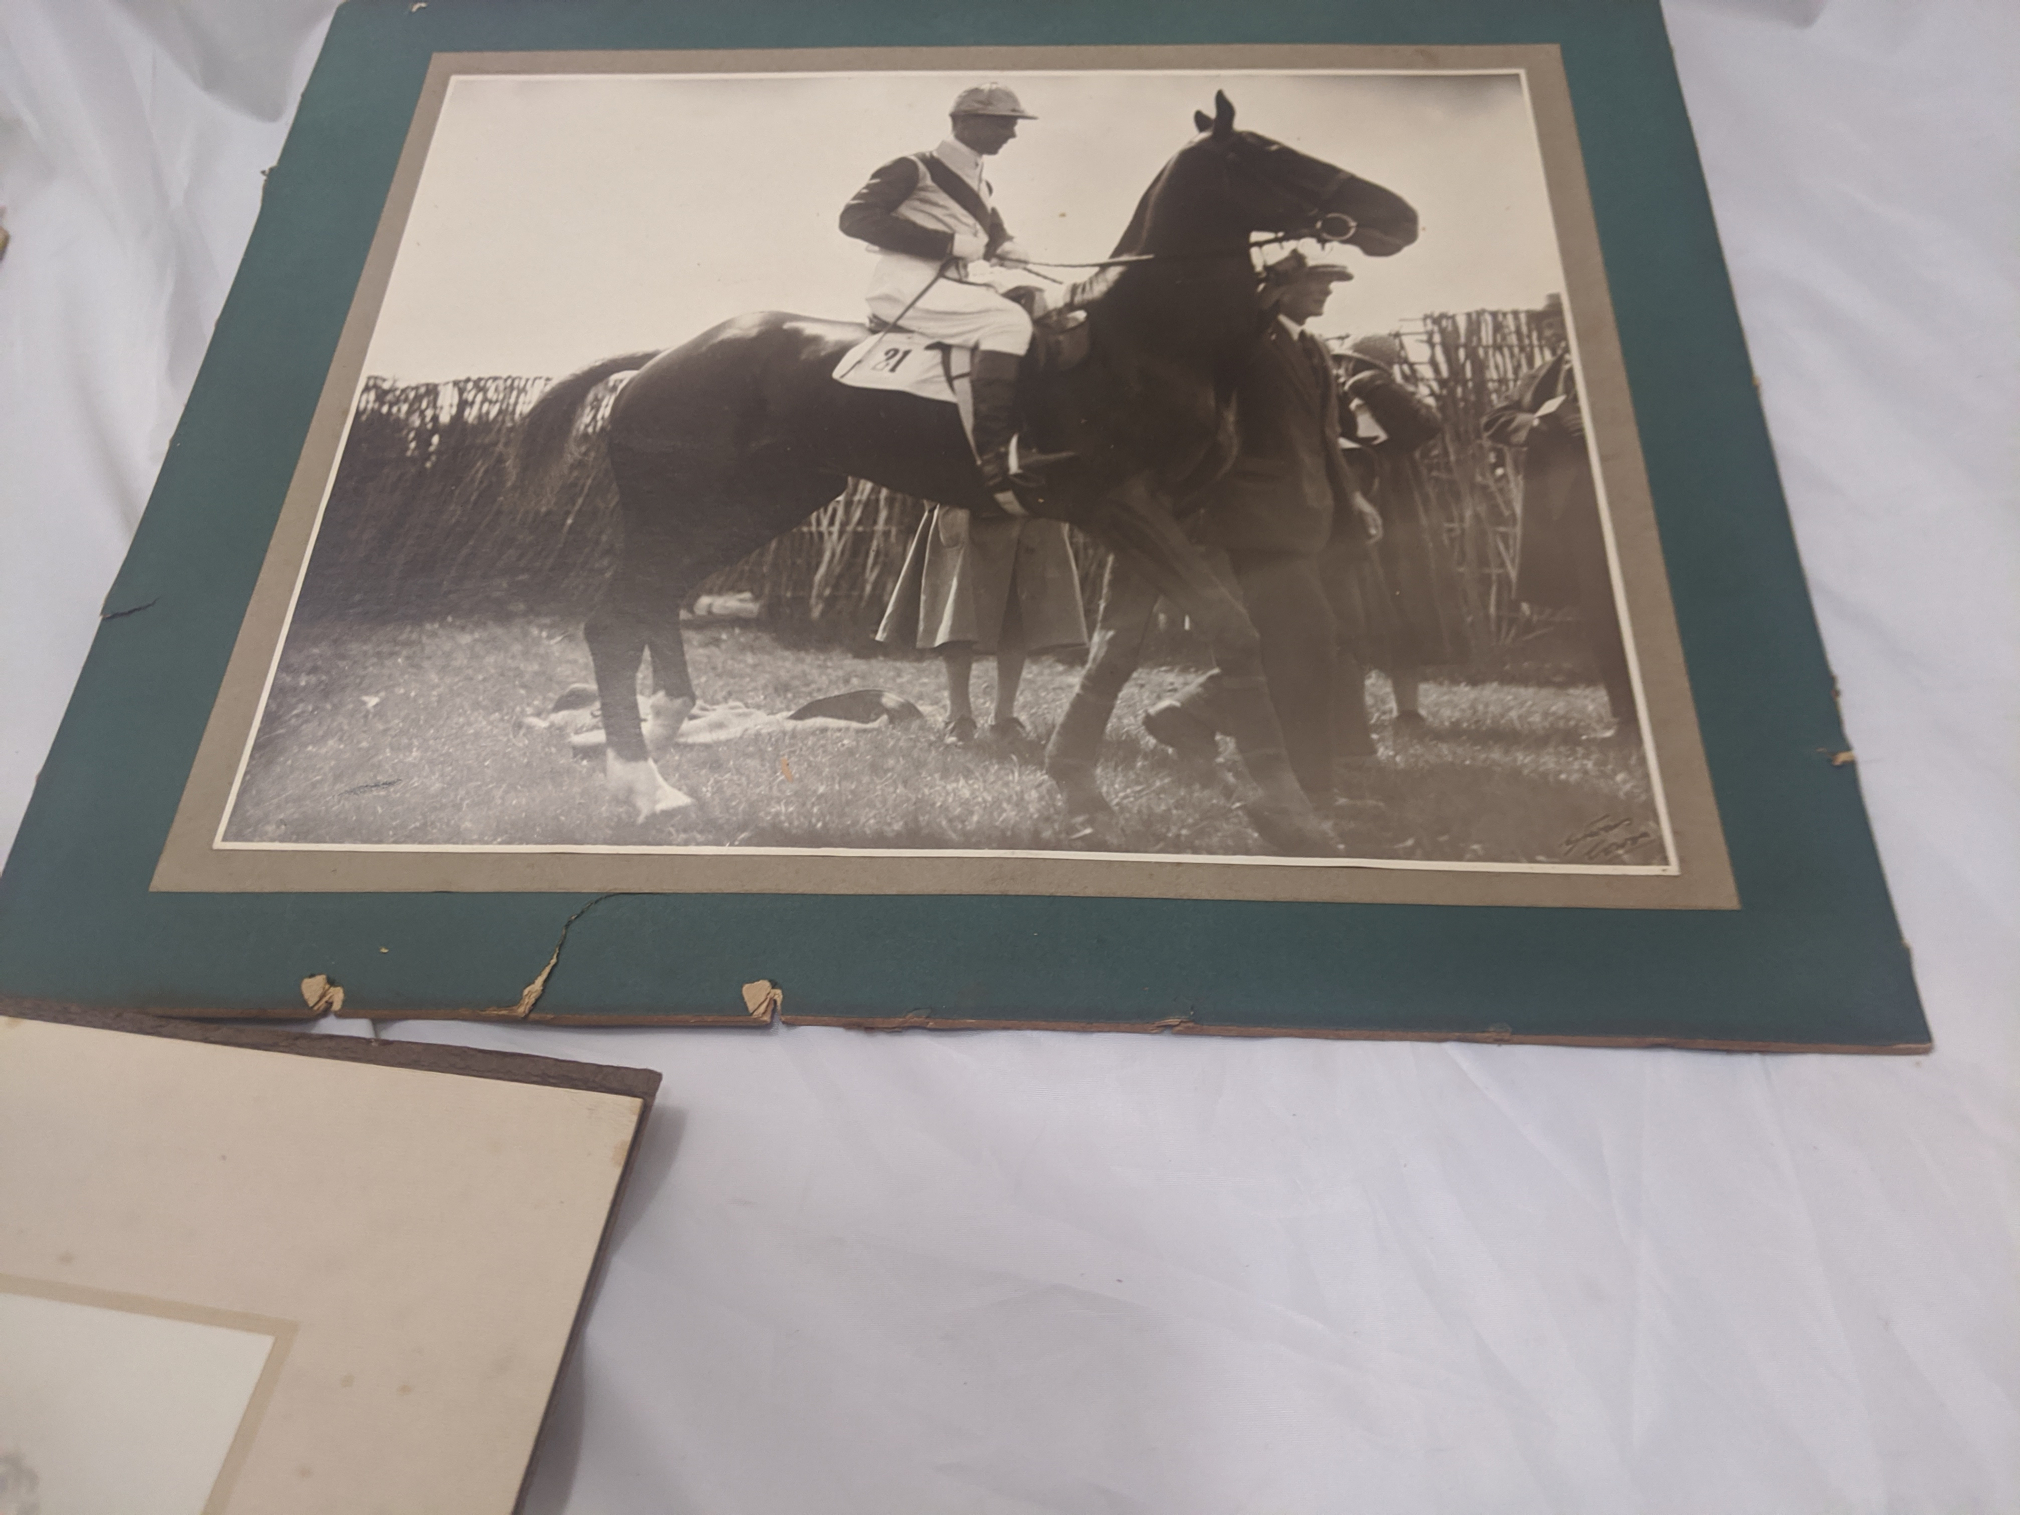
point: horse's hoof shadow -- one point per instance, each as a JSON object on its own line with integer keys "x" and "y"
{"x": 1087, "y": 833}
{"x": 671, "y": 817}
{"x": 1289, "y": 832}
{"x": 1094, "y": 827}
{"x": 1199, "y": 772}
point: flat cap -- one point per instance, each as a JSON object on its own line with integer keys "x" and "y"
{"x": 989, "y": 100}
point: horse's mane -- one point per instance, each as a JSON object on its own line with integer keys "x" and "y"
{"x": 1133, "y": 234}
{"x": 1088, "y": 292}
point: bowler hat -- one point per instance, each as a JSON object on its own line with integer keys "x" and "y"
{"x": 989, "y": 100}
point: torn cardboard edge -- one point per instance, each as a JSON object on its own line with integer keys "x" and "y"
{"x": 761, "y": 997}
{"x": 323, "y": 996}
{"x": 522, "y": 1007}
{"x": 762, "y": 1013}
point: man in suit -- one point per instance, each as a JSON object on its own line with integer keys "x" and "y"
{"x": 1286, "y": 503}
{"x": 933, "y": 222}
{"x": 1561, "y": 547}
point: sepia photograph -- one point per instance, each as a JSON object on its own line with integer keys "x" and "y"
{"x": 1071, "y": 464}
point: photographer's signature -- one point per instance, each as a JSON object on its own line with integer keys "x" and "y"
{"x": 1610, "y": 839}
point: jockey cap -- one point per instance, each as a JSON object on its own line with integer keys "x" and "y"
{"x": 989, "y": 100}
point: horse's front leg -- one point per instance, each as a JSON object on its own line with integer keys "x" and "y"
{"x": 1137, "y": 525}
{"x": 1128, "y": 602}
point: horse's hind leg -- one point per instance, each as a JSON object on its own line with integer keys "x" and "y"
{"x": 640, "y": 604}
{"x": 672, "y": 689}
{"x": 616, "y": 633}
{"x": 1128, "y": 601}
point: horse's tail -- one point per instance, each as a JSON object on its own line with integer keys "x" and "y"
{"x": 545, "y": 430}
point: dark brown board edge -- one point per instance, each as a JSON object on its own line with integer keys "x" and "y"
{"x": 502, "y": 1015}
{"x": 1179, "y": 1026}
{"x": 593, "y": 1282}
{"x": 754, "y": 1020}
{"x": 476, "y": 1017}
{"x": 470, "y": 1062}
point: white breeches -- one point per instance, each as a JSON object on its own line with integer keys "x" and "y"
{"x": 950, "y": 309}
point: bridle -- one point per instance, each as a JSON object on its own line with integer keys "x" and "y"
{"x": 1323, "y": 227}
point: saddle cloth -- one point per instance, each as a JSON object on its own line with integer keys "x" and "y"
{"x": 910, "y": 364}
{"x": 906, "y": 363}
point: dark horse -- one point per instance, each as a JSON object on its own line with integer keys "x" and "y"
{"x": 722, "y": 444}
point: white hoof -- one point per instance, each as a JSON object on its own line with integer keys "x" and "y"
{"x": 641, "y": 784}
{"x": 664, "y": 716}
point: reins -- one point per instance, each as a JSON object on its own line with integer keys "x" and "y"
{"x": 1038, "y": 266}
{"x": 1122, "y": 259}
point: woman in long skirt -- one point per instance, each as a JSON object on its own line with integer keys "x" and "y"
{"x": 975, "y": 587}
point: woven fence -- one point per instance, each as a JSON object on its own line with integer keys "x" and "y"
{"x": 1468, "y": 364}
{"x": 424, "y": 518}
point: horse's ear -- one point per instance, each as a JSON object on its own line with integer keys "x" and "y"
{"x": 1201, "y": 120}
{"x": 1223, "y": 114}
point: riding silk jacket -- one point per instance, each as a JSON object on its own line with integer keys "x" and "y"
{"x": 1288, "y": 478}
{"x": 931, "y": 206}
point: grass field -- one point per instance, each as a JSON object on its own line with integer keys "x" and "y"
{"x": 418, "y": 734}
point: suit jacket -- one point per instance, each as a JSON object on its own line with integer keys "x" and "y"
{"x": 1554, "y": 460}
{"x": 1288, "y": 478}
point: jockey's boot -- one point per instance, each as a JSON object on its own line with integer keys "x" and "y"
{"x": 993, "y": 381}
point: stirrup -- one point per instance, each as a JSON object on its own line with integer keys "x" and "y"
{"x": 1019, "y": 467}
{"x": 1026, "y": 466}
{"x": 1002, "y": 485}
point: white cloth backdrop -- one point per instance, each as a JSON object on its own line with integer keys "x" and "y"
{"x": 1023, "y": 1272}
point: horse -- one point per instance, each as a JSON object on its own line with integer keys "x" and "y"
{"x": 721, "y": 444}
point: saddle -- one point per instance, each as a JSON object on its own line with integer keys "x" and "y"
{"x": 1060, "y": 340}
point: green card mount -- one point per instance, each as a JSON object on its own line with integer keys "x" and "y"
{"x": 1812, "y": 959}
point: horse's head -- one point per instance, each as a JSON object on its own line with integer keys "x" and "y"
{"x": 1279, "y": 189}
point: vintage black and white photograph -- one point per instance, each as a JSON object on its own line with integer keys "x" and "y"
{"x": 1072, "y": 463}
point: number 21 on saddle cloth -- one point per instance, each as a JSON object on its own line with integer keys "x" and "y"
{"x": 908, "y": 363}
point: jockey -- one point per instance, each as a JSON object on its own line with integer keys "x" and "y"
{"x": 931, "y": 218}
